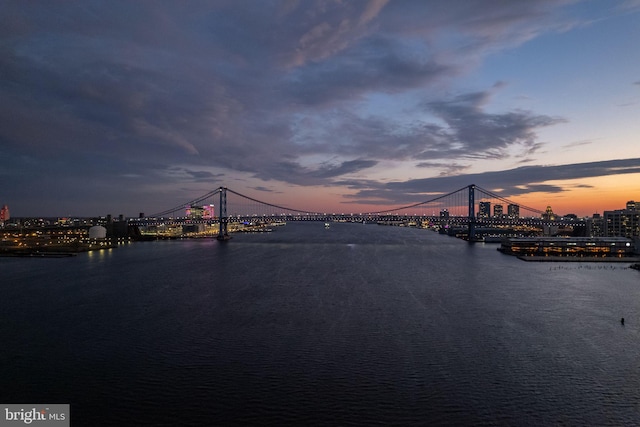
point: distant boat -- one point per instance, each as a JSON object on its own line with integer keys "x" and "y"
{"x": 327, "y": 225}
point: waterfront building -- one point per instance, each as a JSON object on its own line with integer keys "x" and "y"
{"x": 569, "y": 246}
{"x": 54, "y": 239}
{"x": 193, "y": 228}
{"x": 444, "y": 214}
{"x": 497, "y": 211}
{"x": 97, "y": 232}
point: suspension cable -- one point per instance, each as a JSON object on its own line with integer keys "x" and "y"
{"x": 489, "y": 193}
{"x": 453, "y": 193}
{"x": 418, "y": 204}
{"x": 270, "y": 204}
{"x": 192, "y": 202}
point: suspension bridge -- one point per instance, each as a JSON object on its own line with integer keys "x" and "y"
{"x": 470, "y": 212}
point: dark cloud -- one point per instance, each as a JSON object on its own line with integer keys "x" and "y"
{"x": 294, "y": 173}
{"x": 134, "y": 101}
{"x": 474, "y": 133}
{"x": 478, "y": 26}
{"x": 468, "y": 132}
{"x": 375, "y": 64}
{"x": 344, "y": 168}
{"x": 263, "y": 189}
{"x": 445, "y": 168}
{"x": 578, "y": 144}
{"x": 205, "y": 176}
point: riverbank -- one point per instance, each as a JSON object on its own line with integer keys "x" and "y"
{"x": 578, "y": 259}
{"x": 58, "y": 252}
{"x": 38, "y": 254}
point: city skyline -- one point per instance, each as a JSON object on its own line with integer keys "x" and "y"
{"x": 127, "y": 107}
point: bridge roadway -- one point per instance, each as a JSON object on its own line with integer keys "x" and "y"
{"x": 452, "y": 221}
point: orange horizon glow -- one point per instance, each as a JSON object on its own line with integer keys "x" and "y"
{"x": 583, "y": 197}
{"x": 587, "y": 196}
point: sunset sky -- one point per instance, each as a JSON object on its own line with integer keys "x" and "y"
{"x": 348, "y": 106}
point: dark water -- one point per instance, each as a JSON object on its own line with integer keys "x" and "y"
{"x": 354, "y": 325}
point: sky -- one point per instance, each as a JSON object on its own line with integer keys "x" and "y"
{"x": 121, "y": 107}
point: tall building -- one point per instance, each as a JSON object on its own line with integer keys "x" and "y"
{"x": 513, "y": 211}
{"x": 444, "y": 213}
{"x": 595, "y": 226}
{"x": 497, "y": 211}
{"x": 622, "y": 222}
{"x": 484, "y": 210}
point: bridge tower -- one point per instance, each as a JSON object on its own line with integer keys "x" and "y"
{"x": 223, "y": 233}
{"x": 472, "y": 212}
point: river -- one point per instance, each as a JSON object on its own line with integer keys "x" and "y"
{"x": 357, "y": 324}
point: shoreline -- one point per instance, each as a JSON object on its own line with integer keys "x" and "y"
{"x": 535, "y": 258}
{"x": 38, "y": 254}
